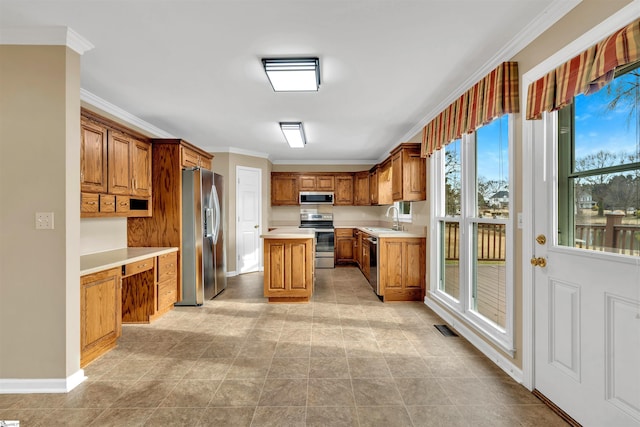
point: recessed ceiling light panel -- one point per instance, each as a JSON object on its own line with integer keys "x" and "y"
{"x": 293, "y": 74}
{"x": 294, "y": 134}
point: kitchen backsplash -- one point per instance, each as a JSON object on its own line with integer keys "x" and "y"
{"x": 102, "y": 234}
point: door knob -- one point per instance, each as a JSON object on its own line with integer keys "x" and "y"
{"x": 541, "y": 239}
{"x": 539, "y": 262}
{"x": 256, "y": 226}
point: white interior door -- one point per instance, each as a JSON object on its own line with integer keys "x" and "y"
{"x": 586, "y": 312}
{"x": 248, "y": 208}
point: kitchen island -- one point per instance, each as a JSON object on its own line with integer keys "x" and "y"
{"x": 289, "y": 265}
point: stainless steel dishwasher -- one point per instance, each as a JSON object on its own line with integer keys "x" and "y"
{"x": 373, "y": 264}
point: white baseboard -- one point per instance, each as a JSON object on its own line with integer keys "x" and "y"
{"x": 232, "y": 273}
{"x": 48, "y": 385}
{"x": 503, "y": 363}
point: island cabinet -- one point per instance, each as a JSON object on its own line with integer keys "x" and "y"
{"x": 100, "y": 319}
{"x": 344, "y": 190}
{"x": 402, "y": 268}
{"x": 284, "y": 189}
{"x": 345, "y": 244}
{"x": 408, "y": 173}
{"x": 361, "y": 197}
{"x": 115, "y": 170}
{"x": 288, "y": 269}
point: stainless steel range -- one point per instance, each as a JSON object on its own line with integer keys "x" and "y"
{"x": 322, "y": 223}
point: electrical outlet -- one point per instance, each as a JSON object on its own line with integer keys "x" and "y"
{"x": 44, "y": 220}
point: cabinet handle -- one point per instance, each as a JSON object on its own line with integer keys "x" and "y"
{"x": 108, "y": 203}
{"x": 91, "y": 203}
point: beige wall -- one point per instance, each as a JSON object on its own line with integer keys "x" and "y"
{"x": 39, "y": 269}
{"x": 225, "y": 164}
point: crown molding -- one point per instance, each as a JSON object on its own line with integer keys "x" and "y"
{"x": 325, "y": 162}
{"x": 530, "y": 32}
{"x": 235, "y": 150}
{"x": 120, "y": 114}
{"x": 46, "y": 36}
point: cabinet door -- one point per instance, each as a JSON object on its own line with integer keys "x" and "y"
{"x": 391, "y": 263}
{"x": 190, "y": 159}
{"x": 344, "y": 249}
{"x": 93, "y": 157}
{"x": 373, "y": 187}
{"x": 362, "y": 189}
{"x": 325, "y": 182}
{"x": 100, "y": 313}
{"x": 141, "y": 169}
{"x": 119, "y": 164}
{"x": 397, "y": 176}
{"x": 344, "y": 191}
{"x": 385, "y": 191}
{"x": 307, "y": 183}
{"x": 284, "y": 190}
{"x": 414, "y": 183}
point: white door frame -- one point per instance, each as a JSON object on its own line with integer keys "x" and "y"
{"x": 533, "y": 130}
{"x": 259, "y": 204}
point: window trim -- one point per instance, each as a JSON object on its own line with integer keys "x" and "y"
{"x": 504, "y": 340}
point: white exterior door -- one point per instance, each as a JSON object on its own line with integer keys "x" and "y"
{"x": 586, "y": 312}
{"x": 248, "y": 208}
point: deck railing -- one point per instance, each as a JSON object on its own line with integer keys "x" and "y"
{"x": 609, "y": 237}
{"x": 491, "y": 241}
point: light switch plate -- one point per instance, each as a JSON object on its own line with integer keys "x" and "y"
{"x": 44, "y": 220}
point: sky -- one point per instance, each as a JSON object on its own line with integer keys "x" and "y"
{"x": 599, "y": 129}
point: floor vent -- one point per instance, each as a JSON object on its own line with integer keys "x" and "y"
{"x": 446, "y": 331}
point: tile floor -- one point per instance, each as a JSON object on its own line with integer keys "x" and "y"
{"x": 344, "y": 359}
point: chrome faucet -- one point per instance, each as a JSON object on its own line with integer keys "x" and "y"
{"x": 396, "y": 226}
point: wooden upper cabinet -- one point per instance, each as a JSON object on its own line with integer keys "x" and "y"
{"x": 373, "y": 186}
{"x": 141, "y": 169}
{"x": 192, "y": 159}
{"x": 408, "y": 173}
{"x": 284, "y": 189}
{"x": 361, "y": 197}
{"x": 385, "y": 195}
{"x": 344, "y": 190}
{"x": 313, "y": 182}
{"x": 119, "y": 163}
{"x": 93, "y": 157}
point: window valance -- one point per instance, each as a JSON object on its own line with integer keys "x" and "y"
{"x": 586, "y": 73}
{"x": 494, "y": 95}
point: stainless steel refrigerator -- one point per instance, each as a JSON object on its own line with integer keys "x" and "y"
{"x": 203, "y": 253}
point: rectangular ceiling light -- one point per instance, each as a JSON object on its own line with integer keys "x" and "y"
{"x": 294, "y": 133}
{"x": 293, "y": 74}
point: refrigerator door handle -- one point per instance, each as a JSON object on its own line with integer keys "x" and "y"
{"x": 217, "y": 213}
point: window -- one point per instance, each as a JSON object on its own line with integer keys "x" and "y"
{"x": 599, "y": 168}
{"x": 473, "y": 225}
{"x": 404, "y": 211}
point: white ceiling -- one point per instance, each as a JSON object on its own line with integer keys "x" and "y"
{"x": 192, "y": 67}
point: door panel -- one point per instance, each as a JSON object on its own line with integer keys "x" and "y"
{"x": 248, "y": 207}
{"x": 586, "y": 312}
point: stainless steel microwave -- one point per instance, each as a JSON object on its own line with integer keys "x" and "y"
{"x": 316, "y": 198}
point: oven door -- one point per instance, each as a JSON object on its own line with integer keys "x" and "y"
{"x": 324, "y": 249}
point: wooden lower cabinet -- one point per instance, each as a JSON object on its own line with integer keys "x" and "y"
{"x": 402, "y": 268}
{"x": 100, "y": 318}
{"x": 288, "y": 269}
{"x": 149, "y": 288}
{"x": 345, "y": 246}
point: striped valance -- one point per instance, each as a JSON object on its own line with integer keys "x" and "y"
{"x": 586, "y": 73}
{"x": 496, "y": 94}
